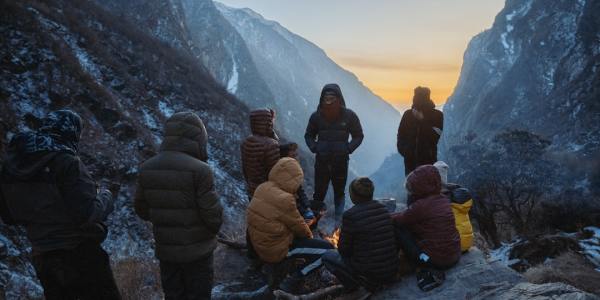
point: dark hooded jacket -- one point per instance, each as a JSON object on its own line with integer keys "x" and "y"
{"x": 46, "y": 187}
{"x": 429, "y": 218}
{"x": 260, "y": 151}
{"x": 367, "y": 241}
{"x": 331, "y": 138}
{"x": 176, "y": 193}
{"x": 417, "y": 140}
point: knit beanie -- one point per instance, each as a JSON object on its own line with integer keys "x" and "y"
{"x": 361, "y": 190}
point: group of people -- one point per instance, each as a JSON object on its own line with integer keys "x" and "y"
{"x": 46, "y": 187}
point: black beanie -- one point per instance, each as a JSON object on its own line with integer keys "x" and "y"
{"x": 361, "y": 190}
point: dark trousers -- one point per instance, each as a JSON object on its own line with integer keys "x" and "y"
{"x": 341, "y": 269}
{"x": 411, "y": 162}
{"x": 193, "y": 280}
{"x": 311, "y": 251}
{"x": 80, "y": 273}
{"x": 408, "y": 244}
{"x": 334, "y": 169}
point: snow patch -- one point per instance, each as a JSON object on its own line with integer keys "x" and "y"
{"x": 165, "y": 110}
{"x": 232, "y": 84}
{"x": 591, "y": 247}
{"x": 502, "y": 253}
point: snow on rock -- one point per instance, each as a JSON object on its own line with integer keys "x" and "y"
{"x": 591, "y": 246}
{"x": 232, "y": 84}
{"x": 502, "y": 253}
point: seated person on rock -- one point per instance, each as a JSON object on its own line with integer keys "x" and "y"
{"x": 276, "y": 228}
{"x": 368, "y": 254}
{"x": 461, "y": 202}
{"x": 302, "y": 203}
{"x": 426, "y": 230}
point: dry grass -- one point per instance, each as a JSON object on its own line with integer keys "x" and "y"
{"x": 138, "y": 279}
{"x": 570, "y": 268}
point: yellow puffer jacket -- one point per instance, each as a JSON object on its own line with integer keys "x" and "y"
{"x": 463, "y": 223}
{"x": 272, "y": 216}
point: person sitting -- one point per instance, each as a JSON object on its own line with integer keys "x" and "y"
{"x": 276, "y": 228}
{"x": 426, "y": 230}
{"x": 367, "y": 252}
{"x": 461, "y": 202}
{"x": 291, "y": 150}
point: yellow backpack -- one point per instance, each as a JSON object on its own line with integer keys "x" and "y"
{"x": 463, "y": 223}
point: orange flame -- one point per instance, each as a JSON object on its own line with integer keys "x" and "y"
{"x": 333, "y": 238}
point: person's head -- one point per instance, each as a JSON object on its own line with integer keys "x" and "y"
{"x": 65, "y": 126}
{"x": 422, "y": 99}
{"x": 443, "y": 170}
{"x": 287, "y": 175}
{"x": 423, "y": 182}
{"x": 331, "y": 101}
{"x": 361, "y": 190}
{"x": 261, "y": 121}
{"x": 185, "y": 132}
{"x": 289, "y": 150}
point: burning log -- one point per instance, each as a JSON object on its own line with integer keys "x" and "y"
{"x": 333, "y": 238}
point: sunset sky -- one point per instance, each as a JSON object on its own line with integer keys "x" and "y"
{"x": 391, "y": 45}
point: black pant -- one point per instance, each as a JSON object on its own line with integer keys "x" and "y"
{"x": 311, "y": 251}
{"x": 192, "y": 280}
{"x": 80, "y": 273}
{"x": 341, "y": 269}
{"x": 334, "y": 169}
{"x": 408, "y": 244}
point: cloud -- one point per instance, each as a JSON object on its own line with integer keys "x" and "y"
{"x": 389, "y": 64}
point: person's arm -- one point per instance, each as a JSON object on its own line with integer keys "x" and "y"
{"x": 402, "y": 136}
{"x": 412, "y": 215}
{"x": 78, "y": 190}
{"x": 312, "y": 130}
{"x": 207, "y": 200}
{"x": 271, "y": 155}
{"x": 302, "y": 201}
{"x": 356, "y": 132}
{"x": 139, "y": 203}
{"x": 293, "y": 220}
{"x": 346, "y": 237}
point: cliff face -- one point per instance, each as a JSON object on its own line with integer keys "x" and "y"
{"x": 537, "y": 68}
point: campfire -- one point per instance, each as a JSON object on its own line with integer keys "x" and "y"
{"x": 333, "y": 238}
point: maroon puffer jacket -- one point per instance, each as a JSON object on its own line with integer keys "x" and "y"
{"x": 260, "y": 151}
{"x": 430, "y": 217}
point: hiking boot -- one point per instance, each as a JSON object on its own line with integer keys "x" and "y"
{"x": 428, "y": 279}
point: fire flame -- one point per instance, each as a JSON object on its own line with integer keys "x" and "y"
{"x": 333, "y": 238}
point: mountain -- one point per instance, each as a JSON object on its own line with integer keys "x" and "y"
{"x": 125, "y": 83}
{"x": 536, "y": 69}
{"x": 295, "y": 70}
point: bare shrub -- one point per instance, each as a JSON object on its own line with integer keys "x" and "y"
{"x": 570, "y": 268}
{"x": 138, "y": 278}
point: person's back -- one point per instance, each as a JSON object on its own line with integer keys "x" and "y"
{"x": 259, "y": 151}
{"x": 47, "y": 188}
{"x": 176, "y": 193}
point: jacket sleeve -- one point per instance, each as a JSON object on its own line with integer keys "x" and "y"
{"x": 402, "y": 137}
{"x": 302, "y": 201}
{"x": 312, "y": 130}
{"x": 78, "y": 189}
{"x": 412, "y": 215}
{"x": 271, "y": 155}
{"x": 294, "y": 221}
{"x": 435, "y": 126}
{"x": 140, "y": 205}
{"x": 346, "y": 237}
{"x": 209, "y": 206}
{"x": 356, "y": 132}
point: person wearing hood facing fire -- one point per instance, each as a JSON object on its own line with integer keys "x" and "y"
{"x": 419, "y": 131}
{"x": 47, "y": 188}
{"x": 327, "y": 135}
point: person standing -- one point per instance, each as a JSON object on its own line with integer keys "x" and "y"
{"x": 46, "y": 188}
{"x": 419, "y": 131}
{"x": 260, "y": 151}
{"x": 327, "y": 134}
{"x": 176, "y": 192}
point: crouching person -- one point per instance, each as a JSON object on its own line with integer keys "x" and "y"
{"x": 176, "y": 193}
{"x": 426, "y": 230}
{"x": 276, "y": 228}
{"x": 461, "y": 202}
{"x": 46, "y": 188}
{"x": 368, "y": 255}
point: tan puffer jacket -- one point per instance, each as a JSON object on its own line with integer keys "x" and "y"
{"x": 273, "y": 220}
{"x": 176, "y": 193}
{"x": 260, "y": 151}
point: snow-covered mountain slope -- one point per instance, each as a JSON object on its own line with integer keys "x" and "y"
{"x": 295, "y": 71}
{"x": 537, "y": 68}
{"x": 125, "y": 83}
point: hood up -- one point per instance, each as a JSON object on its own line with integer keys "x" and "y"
{"x": 185, "y": 132}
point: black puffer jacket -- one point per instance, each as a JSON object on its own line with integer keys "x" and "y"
{"x": 324, "y": 137}
{"x": 367, "y": 241}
